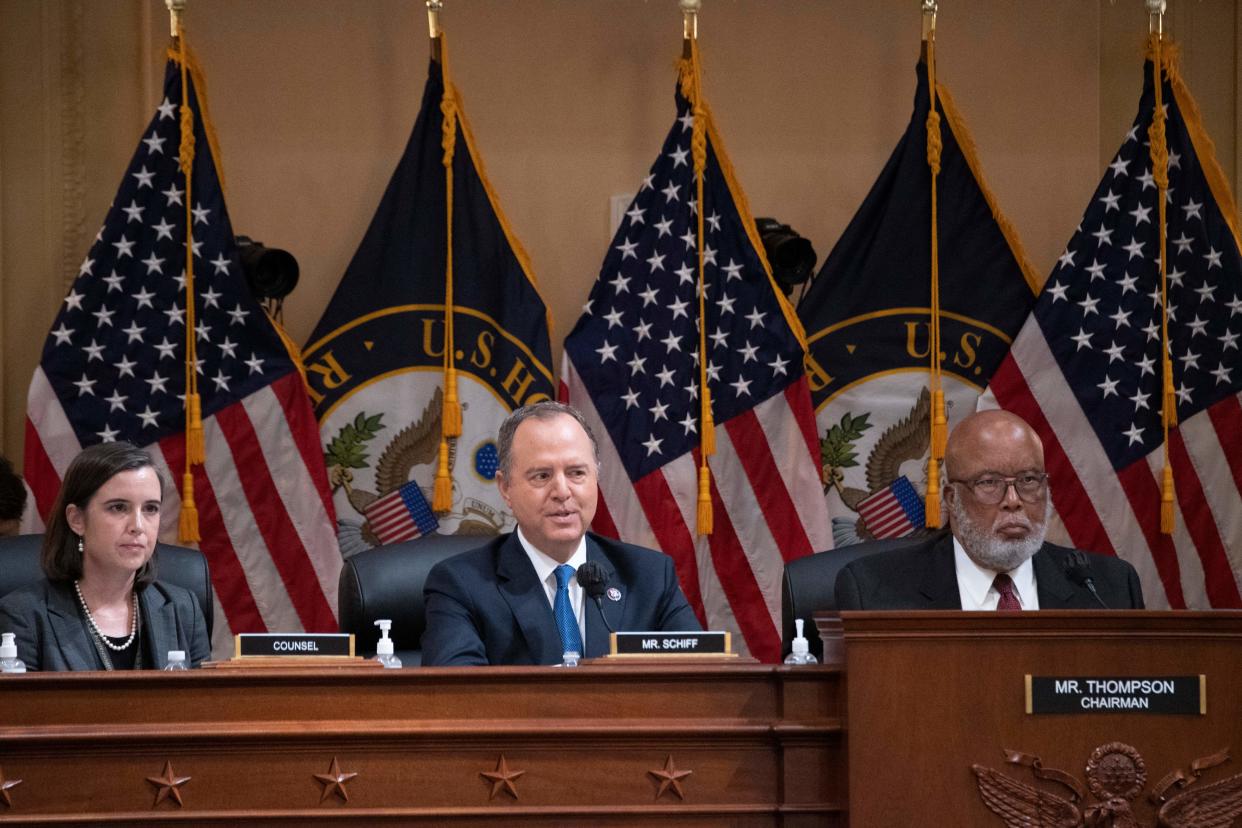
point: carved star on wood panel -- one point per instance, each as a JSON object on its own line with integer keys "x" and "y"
{"x": 168, "y": 786}
{"x": 334, "y": 781}
{"x": 5, "y": 786}
{"x": 670, "y": 778}
{"x": 502, "y": 778}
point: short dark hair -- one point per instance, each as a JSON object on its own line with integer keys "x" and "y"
{"x": 12, "y": 492}
{"x": 545, "y": 410}
{"x": 89, "y": 471}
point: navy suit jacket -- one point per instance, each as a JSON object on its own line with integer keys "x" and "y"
{"x": 51, "y": 634}
{"x": 923, "y": 576}
{"x": 487, "y": 606}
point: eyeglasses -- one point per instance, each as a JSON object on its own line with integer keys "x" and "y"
{"x": 991, "y": 489}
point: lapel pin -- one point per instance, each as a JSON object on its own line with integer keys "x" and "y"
{"x": 614, "y": 594}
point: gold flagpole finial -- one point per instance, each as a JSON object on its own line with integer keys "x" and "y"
{"x": 1155, "y": 17}
{"x": 930, "y": 7}
{"x": 434, "y": 7}
{"x": 690, "y": 18}
{"x": 175, "y": 8}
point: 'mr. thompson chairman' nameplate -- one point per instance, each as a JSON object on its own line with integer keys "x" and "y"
{"x": 1176, "y": 695}
{"x": 293, "y": 644}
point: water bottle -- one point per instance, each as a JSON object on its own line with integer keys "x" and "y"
{"x": 799, "y": 652}
{"x": 176, "y": 661}
{"x": 383, "y": 647}
{"x": 9, "y": 662}
{"x": 569, "y": 658}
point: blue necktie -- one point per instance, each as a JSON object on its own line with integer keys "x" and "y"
{"x": 566, "y": 622}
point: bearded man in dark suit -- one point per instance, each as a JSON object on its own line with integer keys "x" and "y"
{"x": 993, "y": 554}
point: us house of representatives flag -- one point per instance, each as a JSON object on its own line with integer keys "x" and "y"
{"x": 376, "y": 359}
{"x": 632, "y": 365}
{"x": 1086, "y": 369}
{"x": 867, "y": 318}
{"x": 114, "y": 368}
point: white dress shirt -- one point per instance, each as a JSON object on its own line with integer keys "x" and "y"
{"x": 974, "y": 583}
{"x": 545, "y": 570}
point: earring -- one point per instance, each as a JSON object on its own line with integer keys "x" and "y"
{"x": 80, "y": 545}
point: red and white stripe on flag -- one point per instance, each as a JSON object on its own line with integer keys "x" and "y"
{"x": 265, "y": 511}
{"x": 767, "y": 502}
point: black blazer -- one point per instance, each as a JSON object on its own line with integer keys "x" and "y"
{"x": 923, "y": 576}
{"x": 51, "y": 634}
{"x": 487, "y": 606}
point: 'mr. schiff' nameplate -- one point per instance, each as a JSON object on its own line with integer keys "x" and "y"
{"x": 293, "y": 644}
{"x": 1184, "y": 695}
{"x": 671, "y": 643}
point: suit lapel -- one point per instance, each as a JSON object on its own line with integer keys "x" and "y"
{"x": 528, "y": 602}
{"x": 67, "y": 627}
{"x": 939, "y": 585}
{"x": 1056, "y": 591}
{"x": 597, "y": 634}
{"x": 160, "y": 617}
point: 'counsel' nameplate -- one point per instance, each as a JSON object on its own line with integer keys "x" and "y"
{"x": 671, "y": 643}
{"x": 293, "y": 644}
{"x": 1177, "y": 695}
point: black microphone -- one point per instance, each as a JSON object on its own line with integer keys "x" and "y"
{"x": 1079, "y": 571}
{"x": 594, "y": 583}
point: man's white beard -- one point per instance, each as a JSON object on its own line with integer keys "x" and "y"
{"x": 990, "y": 551}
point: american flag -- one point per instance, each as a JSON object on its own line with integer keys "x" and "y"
{"x": 113, "y": 368}
{"x": 400, "y": 515}
{"x": 1086, "y": 369}
{"x": 894, "y": 511}
{"x": 631, "y": 364}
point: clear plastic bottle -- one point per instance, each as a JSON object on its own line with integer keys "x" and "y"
{"x": 383, "y": 647}
{"x": 569, "y": 658}
{"x": 176, "y": 661}
{"x": 9, "y": 662}
{"x": 799, "y": 652}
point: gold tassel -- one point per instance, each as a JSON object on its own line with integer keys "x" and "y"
{"x": 940, "y": 425}
{"x": 1166, "y": 501}
{"x": 195, "y": 442}
{"x": 188, "y": 527}
{"x": 1170, "y": 394}
{"x": 932, "y": 507}
{"x": 708, "y": 443}
{"x": 705, "y": 500}
{"x": 450, "y": 418}
{"x": 442, "y": 496}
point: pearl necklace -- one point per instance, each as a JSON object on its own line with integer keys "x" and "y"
{"x": 90, "y": 619}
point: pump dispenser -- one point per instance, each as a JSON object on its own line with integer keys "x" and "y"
{"x": 800, "y": 652}
{"x": 383, "y": 647}
{"x": 9, "y": 662}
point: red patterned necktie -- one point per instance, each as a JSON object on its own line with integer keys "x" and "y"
{"x": 1008, "y": 598}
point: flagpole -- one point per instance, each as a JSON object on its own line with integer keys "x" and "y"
{"x": 434, "y": 7}
{"x": 1155, "y": 17}
{"x": 175, "y": 8}
{"x": 690, "y": 19}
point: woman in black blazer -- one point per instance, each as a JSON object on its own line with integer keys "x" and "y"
{"x": 99, "y": 606}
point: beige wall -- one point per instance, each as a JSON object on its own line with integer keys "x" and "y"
{"x": 313, "y": 101}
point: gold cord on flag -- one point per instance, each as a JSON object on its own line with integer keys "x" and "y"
{"x": 195, "y": 448}
{"x": 1158, "y": 143}
{"x": 692, "y": 78}
{"x": 450, "y": 418}
{"x": 939, "y": 423}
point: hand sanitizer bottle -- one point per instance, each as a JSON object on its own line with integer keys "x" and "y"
{"x": 9, "y": 662}
{"x": 383, "y": 647}
{"x": 800, "y": 649}
{"x": 176, "y": 661}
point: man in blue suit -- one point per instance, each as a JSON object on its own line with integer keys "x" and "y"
{"x": 516, "y": 600}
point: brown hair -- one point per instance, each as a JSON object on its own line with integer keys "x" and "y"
{"x": 89, "y": 471}
{"x": 545, "y": 410}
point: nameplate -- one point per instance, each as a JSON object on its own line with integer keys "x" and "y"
{"x": 250, "y": 645}
{"x": 1161, "y": 695}
{"x": 671, "y": 644}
